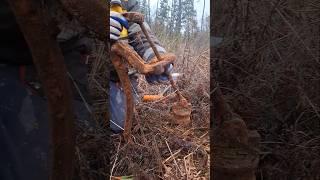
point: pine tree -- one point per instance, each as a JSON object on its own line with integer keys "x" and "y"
{"x": 145, "y": 9}
{"x": 142, "y": 5}
{"x": 164, "y": 11}
{"x": 149, "y": 12}
{"x": 202, "y": 17}
{"x": 189, "y": 20}
{"x": 173, "y": 15}
{"x": 178, "y": 21}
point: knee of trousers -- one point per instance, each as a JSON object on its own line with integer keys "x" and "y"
{"x": 117, "y": 106}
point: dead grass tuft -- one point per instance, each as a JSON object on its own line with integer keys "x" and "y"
{"x": 268, "y": 68}
{"x": 160, "y": 150}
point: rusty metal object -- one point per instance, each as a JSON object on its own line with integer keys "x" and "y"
{"x": 181, "y": 110}
{"x": 235, "y": 148}
{"x": 234, "y": 158}
{"x": 123, "y": 50}
{"x": 134, "y": 17}
{"x": 235, "y": 155}
{"x": 49, "y": 63}
{"x": 122, "y": 71}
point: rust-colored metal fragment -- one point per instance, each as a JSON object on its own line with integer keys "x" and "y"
{"x": 235, "y": 148}
{"x": 181, "y": 112}
{"x": 50, "y": 66}
{"x": 134, "y": 17}
{"x": 122, "y": 56}
{"x": 122, "y": 72}
{"x": 235, "y": 158}
{"x": 123, "y": 50}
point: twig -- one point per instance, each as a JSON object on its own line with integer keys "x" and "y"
{"x": 185, "y": 164}
{"x": 297, "y": 35}
{"x": 80, "y": 93}
{"x": 174, "y": 159}
{"x": 115, "y": 161}
{"x": 170, "y": 157}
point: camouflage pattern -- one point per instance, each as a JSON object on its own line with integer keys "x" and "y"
{"x": 136, "y": 37}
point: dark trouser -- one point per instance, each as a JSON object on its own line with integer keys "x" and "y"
{"x": 24, "y": 133}
{"x": 118, "y": 104}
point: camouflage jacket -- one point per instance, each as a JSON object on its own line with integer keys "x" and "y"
{"x": 136, "y": 38}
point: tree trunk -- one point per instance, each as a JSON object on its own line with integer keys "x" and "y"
{"x": 202, "y": 18}
{"x": 179, "y": 18}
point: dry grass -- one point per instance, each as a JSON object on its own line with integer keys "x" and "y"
{"x": 92, "y": 137}
{"x": 160, "y": 150}
{"x": 268, "y": 67}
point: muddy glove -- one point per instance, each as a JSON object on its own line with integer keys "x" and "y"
{"x": 163, "y": 77}
{"x": 117, "y": 22}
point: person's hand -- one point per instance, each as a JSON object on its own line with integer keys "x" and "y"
{"x": 117, "y": 23}
{"x": 161, "y": 75}
{"x": 160, "y": 78}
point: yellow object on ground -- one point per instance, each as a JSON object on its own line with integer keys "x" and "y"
{"x": 150, "y": 98}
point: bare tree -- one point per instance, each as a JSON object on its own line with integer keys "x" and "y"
{"x": 179, "y": 17}
{"x": 202, "y": 18}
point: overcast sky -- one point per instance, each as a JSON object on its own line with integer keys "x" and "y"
{"x": 198, "y": 5}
